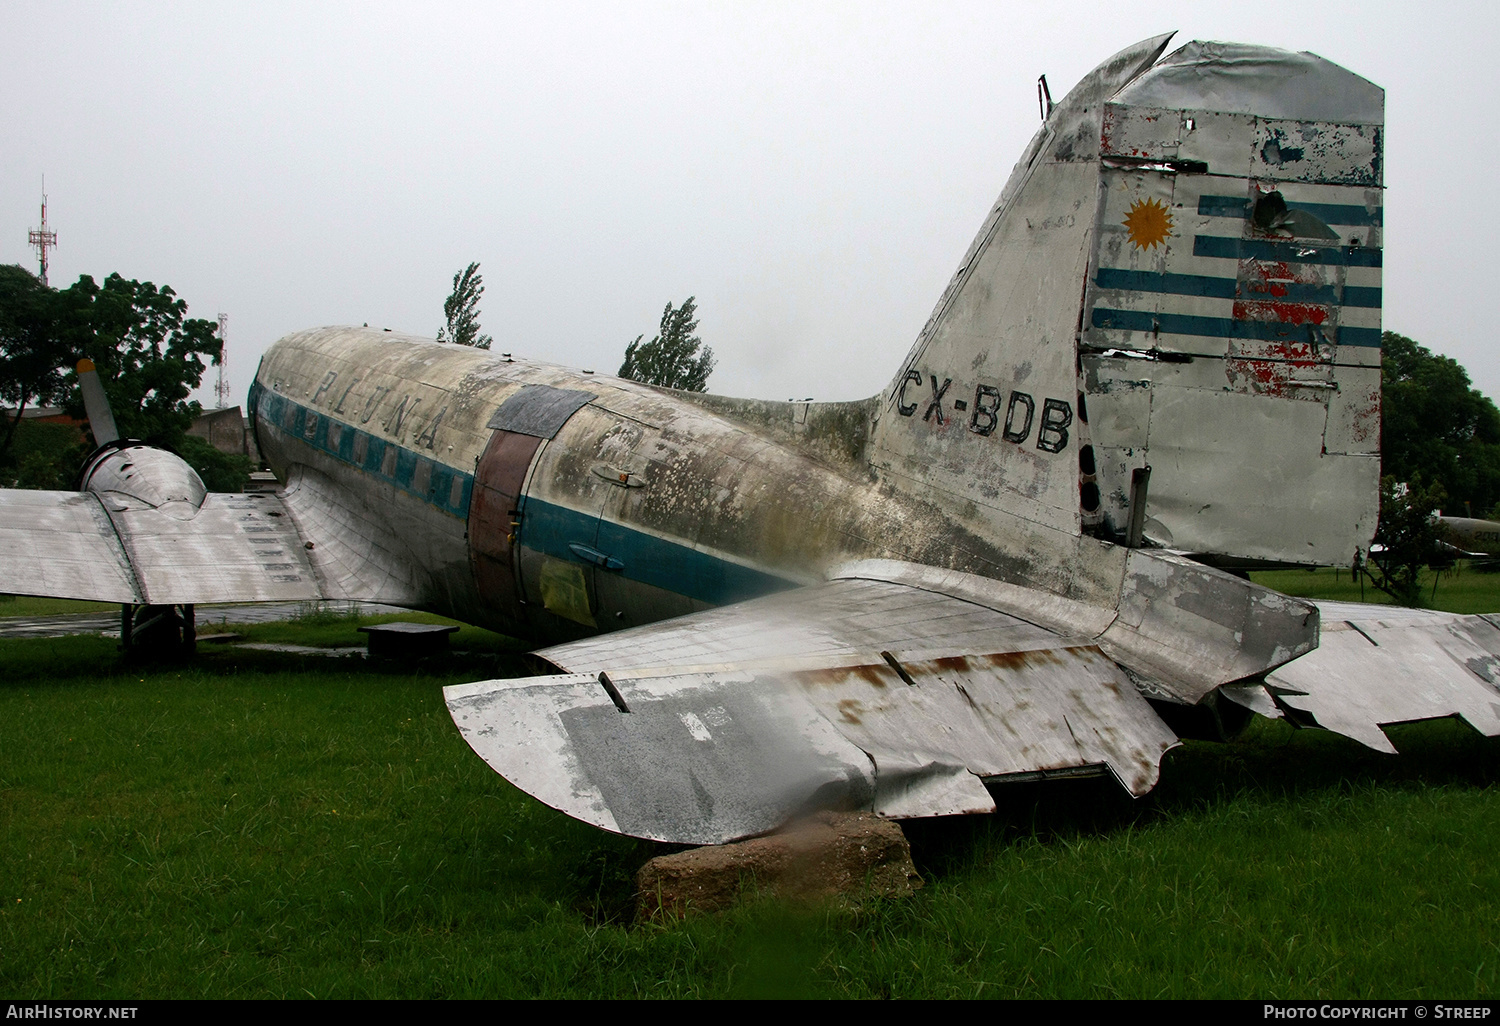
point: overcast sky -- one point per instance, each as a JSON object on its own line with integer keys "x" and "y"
{"x": 812, "y": 172}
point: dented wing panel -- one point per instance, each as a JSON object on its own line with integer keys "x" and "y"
{"x": 1380, "y": 665}
{"x": 1189, "y": 628}
{"x": 858, "y": 693}
{"x": 729, "y": 756}
{"x": 998, "y": 714}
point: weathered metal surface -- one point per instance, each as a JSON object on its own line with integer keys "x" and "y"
{"x": 846, "y": 622}
{"x": 357, "y": 553}
{"x": 235, "y": 548}
{"x": 151, "y": 535}
{"x": 1379, "y": 665}
{"x": 62, "y": 544}
{"x": 936, "y": 692}
{"x": 538, "y": 410}
{"x": 1181, "y": 278}
{"x": 1182, "y": 627}
{"x": 1190, "y": 628}
{"x": 724, "y": 755}
{"x": 140, "y": 476}
{"x": 1233, "y": 303}
{"x": 1245, "y": 79}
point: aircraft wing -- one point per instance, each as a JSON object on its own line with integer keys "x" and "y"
{"x": 109, "y": 547}
{"x": 855, "y": 693}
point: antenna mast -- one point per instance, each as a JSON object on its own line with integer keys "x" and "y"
{"x": 43, "y": 238}
{"x": 221, "y": 388}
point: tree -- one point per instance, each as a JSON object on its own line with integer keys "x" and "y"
{"x": 461, "y": 308}
{"x": 675, "y": 358}
{"x": 33, "y": 350}
{"x": 149, "y": 353}
{"x": 1407, "y": 538}
{"x": 1435, "y": 425}
{"x": 150, "y": 356}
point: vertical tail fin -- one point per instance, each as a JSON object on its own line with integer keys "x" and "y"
{"x": 1184, "y": 274}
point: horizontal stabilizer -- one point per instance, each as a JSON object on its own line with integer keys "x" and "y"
{"x": 1383, "y": 664}
{"x": 856, "y": 694}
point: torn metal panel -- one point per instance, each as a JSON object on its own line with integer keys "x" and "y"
{"x": 1232, "y": 306}
{"x": 1186, "y": 627}
{"x": 538, "y": 410}
{"x": 999, "y": 714}
{"x": 1242, "y": 78}
{"x": 1213, "y": 490}
{"x": 1379, "y": 665}
{"x": 1192, "y": 628}
{"x": 916, "y": 785}
{"x": 1253, "y": 697}
{"x": 1317, "y": 151}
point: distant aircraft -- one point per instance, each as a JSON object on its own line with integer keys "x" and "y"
{"x": 1472, "y": 536}
{"x": 1160, "y": 352}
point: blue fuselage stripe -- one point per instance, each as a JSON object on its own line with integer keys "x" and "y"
{"x": 401, "y": 469}
{"x": 546, "y": 527}
{"x": 1284, "y": 252}
{"x": 553, "y": 530}
{"x": 1328, "y": 213}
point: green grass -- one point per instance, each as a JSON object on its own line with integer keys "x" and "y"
{"x": 1460, "y": 590}
{"x": 30, "y": 605}
{"x": 253, "y": 824}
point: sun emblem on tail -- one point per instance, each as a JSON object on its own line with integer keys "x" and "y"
{"x": 1150, "y": 222}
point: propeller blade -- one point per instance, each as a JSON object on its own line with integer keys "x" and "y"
{"x": 101, "y": 421}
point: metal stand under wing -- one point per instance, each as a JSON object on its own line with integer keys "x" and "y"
{"x": 860, "y": 694}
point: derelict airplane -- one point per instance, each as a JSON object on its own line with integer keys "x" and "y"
{"x": 1160, "y": 352}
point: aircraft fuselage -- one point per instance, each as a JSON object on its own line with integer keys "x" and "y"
{"x": 555, "y": 504}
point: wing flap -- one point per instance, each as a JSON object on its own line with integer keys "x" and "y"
{"x": 237, "y": 548}
{"x": 108, "y": 547}
{"x": 692, "y": 759}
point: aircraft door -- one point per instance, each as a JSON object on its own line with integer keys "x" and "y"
{"x": 499, "y": 539}
{"x": 495, "y": 521}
